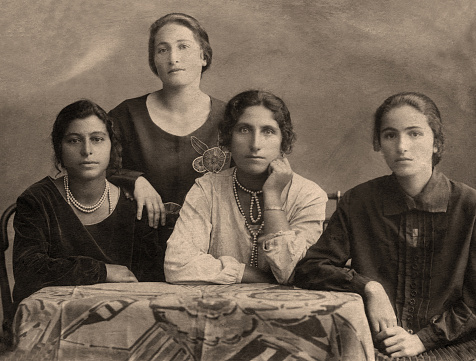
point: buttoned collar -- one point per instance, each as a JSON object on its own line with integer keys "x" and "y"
{"x": 433, "y": 198}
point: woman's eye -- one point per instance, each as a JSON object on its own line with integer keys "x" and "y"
{"x": 74, "y": 140}
{"x": 161, "y": 50}
{"x": 97, "y": 139}
{"x": 389, "y": 136}
{"x": 416, "y": 134}
{"x": 243, "y": 130}
{"x": 269, "y": 131}
{"x": 183, "y": 46}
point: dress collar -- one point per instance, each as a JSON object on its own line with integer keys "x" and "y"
{"x": 433, "y": 198}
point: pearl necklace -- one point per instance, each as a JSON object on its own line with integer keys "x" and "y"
{"x": 254, "y": 250}
{"x": 254, "y": 199}
{"x": 87, "y": 209}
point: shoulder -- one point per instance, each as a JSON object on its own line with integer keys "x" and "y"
{"x": 215, "y": 180}
{"x": 217, "y": 103}
{"x": 127, "y": 104}
{"x": 370, "y": 187}
{"x": 306, "y": 187}
{"x": 40, "y": 188}
{"x": 463, "y": 193}
{"x": 217, "y": 108}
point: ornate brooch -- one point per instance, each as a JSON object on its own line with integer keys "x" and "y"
{"x": 211, "y": 159}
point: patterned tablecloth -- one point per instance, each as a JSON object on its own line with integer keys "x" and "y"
{"x": 159, "y": 321}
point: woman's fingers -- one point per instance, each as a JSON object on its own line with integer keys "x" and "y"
{"x": 162, "y": 213}
{"x": 140, "y": 206}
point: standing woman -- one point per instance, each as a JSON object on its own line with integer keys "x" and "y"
{"x": 170, "y": 137}
{"x": 79, "y": 229}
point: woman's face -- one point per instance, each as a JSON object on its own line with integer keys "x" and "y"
{"x": 256, "y": 140}
{"x": 86, "y": 148}
{"x": 407, "y": 141}
{"x": 178, "y": 56}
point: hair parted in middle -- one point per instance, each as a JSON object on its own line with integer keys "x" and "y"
{"x": 424, "y": 105}
{"x": 82, "y": 109}
{"x": 189, "y": 22}
{"x": 237, "y": 105}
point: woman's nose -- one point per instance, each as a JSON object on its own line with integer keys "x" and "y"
{"x": 402, "y": 144}
{"x": 86, "y": 149}
{"x": 173, "y": 56}
{"x": 255, "y": 143}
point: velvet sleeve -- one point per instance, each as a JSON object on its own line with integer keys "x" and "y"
{"x": 33, "y": 266}
{"x": 323, "y": 266}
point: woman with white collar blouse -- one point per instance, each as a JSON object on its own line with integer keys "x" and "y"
{"x": 255, "y": 221}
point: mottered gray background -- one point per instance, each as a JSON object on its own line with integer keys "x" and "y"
{"x": 332, "y": 61}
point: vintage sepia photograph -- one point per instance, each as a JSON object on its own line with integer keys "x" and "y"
{"x": 238, "y": 180}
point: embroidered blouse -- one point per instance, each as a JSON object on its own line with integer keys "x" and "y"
{"x": 422, "y": 250}
{"x": 211, "y": 243}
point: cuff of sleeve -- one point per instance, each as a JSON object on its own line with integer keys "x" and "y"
{"x": 270, "y": 241}
{"x": 241, "y": 271}
{"x": 358, "y": 283}
{"x": 102, "y": 273}
{"x": 428, "y": 338}
{"x": 125, "y": 178}
{"x": 232, "y": 271}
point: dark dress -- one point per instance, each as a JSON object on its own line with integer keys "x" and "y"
{"x": 53, "y": 248}
{"x": 166, "y": 160}
{"x": 422, "y": 250}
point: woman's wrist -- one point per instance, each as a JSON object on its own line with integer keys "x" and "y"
{"x": 272, "y": 200}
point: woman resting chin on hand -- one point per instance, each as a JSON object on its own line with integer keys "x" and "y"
{"x": 253, "y": 222}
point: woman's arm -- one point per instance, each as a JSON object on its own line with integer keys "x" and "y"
{"x": 186, "y": 256}
{"x": 32, "y": 265}
{"x": 323, "y": 266}
{"x": 285, "y": 242}
{"x": 131, "y": 179}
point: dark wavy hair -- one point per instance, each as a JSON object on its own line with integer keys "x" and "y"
{"x": 424, "y": 105}
{"x": 189, "y": 22}
{"x": 82, "y": 109}
{"x": 237, "y": 105}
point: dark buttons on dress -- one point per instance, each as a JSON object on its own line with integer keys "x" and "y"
{"x": 413, "y": 285}
{"x": 413, "y": 293}
{"x": 412, "y": 302}
{"x": 411, "y": 309}
{"x": 410, "y": 331}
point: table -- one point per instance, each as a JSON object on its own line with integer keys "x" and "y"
{"x": 160, "y": 321}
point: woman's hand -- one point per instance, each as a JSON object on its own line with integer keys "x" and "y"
{"x": 255, "y": 275}
{"x": 396, "y": 342}
{"x": 145, "y": 194}
{"x": 280, "y": 174}
{"x": 118, "y": 273}
{"x": 379, "y": 309}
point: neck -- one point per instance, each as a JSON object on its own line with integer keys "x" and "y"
{"x": 251, "y": 181}
{"x": 181, "y": 99}
{"x": 87, "y": 191}
{"x": 413, "y": 185}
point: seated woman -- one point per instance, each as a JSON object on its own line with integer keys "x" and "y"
{"x": 253, "y": 222}
{"x": 80, "y": 229}
{"x": 411, "y": 236}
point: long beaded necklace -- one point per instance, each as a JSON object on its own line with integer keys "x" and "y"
{"x": 87, "y": 209}
{"x": 254, "y": 235}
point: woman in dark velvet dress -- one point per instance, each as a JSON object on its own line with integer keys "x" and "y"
{"x": 170, "y": 137}
{"x": 79, "y": 229}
